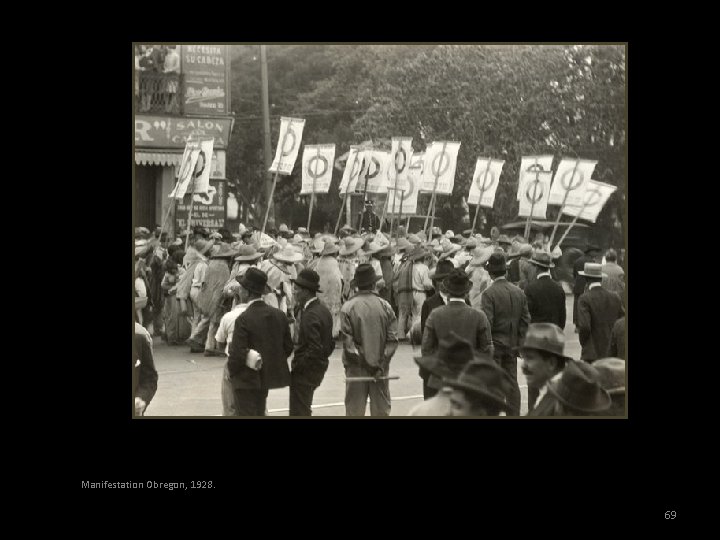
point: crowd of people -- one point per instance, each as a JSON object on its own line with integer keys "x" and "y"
{"x": 151, "y": 91}
{"x": 475, "y": 305}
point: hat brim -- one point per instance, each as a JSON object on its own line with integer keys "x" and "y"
{"x": 542, "y": 265}
{"x": 306, "y": 285}
{"x": 249, "y": 257}
{"x": 478, "y": 392}
{"x": 581, "y": 273}
{"x": 290, "y": 260}
{"x": 247, "y": 286}
{"x": 439, "y": 277}
{"x": 458, "y": 292}
{"x": 345, "y": 252}
{"x": 552, "y": 388}
{"x": 437, "y": 367}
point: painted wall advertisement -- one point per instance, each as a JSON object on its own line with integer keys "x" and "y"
{"x": 208, "y": 211}
{"x": 206, "y": 71}
{"x": 173, "y": 132}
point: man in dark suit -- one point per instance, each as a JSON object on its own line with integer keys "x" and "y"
{"x": 145, "y": 375}
{"x": 545, "y": 297}
{"x": 314, "y": 346}
{"x": 591, "y": 254}
{"x": 261, "y": 344}
{"x": 456, "y": 317}
{"x": 440, "y": 298}
{"x": 598, "y": 309}
{"x": 505, "y": 306}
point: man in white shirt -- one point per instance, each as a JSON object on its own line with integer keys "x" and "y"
{"x": 224, "y": 336}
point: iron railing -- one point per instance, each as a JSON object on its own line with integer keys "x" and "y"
{"x": 159, "y": 92}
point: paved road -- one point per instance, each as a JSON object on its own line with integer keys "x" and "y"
{"x": 189, "y": 384}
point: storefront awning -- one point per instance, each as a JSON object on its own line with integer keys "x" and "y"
{"x": 158, "y": 158}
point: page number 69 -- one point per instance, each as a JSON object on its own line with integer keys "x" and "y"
{"x": 670, "y": 514}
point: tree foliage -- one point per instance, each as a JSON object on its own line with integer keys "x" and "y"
{"x": 498, "y": 101}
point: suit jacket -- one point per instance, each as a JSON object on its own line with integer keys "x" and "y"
{"x": 145, "y": 375}
{"x": 265, "y": 329}
{"x": 470, "y": 324}
{"x": 315, "y": 345}
{"x": 545, "y": 407}
{"x": 428, "y": 305}
{"x": 546, "y": 301}
{"x": 617, "y": 340}
{"x": 598, "y": 309}
{"x": 506, "y": 308}
{"x": 513, "y": 272}
{"x": 579, "y": 265}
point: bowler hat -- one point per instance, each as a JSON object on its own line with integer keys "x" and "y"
{"x": 542, "y": 259}
{"x": 308, "y": 279}
{"x": 442, "y": 270}
{"x": 592, "y": 270}
{"x": 484, "y": 379}
{"x": 612, "y": 374}
{"x": 591, "y": 247}
{"x": 457, "y": 283}
{"x": 578, "y": 387}
{"x": 365, "y": 276}
{"x": 255, "y": 281}
{"x": 247, "y": 253}
{"x": 496, "y": 263}
{"x": 546, "y": 337}
{"x": 452, "y": 354}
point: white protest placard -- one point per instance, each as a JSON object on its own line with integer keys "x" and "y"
{"x": 317, "y": 165}
{"x": 485, "y": 181}
{"x": 535, "y": 195}
{"x": 406, "y": 197}
{"x": 541, "y": 164}
{"x": 375, "y": 171}
{"x": 186, "y": 170}
{"x": 595, "y": 195}
{"x": 570, "y": 178}
{"x": 353, "y": 168}
{"x": 401, "y": 151}
{"x": 203, "y": 166}
{"x": 440, "y": 164}
{"x": 288, "y": 144}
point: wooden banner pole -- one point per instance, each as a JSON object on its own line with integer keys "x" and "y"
{"x": 397, "y": 229}
{"x": 482, "y": 192}
{"x": 312, "y": 195}
{"x": 347, "y": 189}
{"x": 192, "y": 201}
{"x": 277, "y": 172}
{"x": 434, "y": 197}
{"x": 562, "y": 206}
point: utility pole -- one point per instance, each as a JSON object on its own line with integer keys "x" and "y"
{"x": 266, "y": 132}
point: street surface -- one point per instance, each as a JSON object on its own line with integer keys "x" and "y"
{"x": 189, "y": 384}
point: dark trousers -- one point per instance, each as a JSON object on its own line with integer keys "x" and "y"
{"x": 250, "y": 402}
{"x": 508, "y": 362}
{"x": 533, "y": 394}
{"x": 576, "y": 297}
{"x": 301, "y": 397}
{"x": 428, "y": 391}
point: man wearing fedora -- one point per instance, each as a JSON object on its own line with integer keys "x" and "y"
{"x": 576, "y": 391}
{"x": 451, "y": 356}
{"x": 369, "y": 329}
{"x": 612, "y": 379}
{"x": 440, "y": 298}
{"x": 260, "y": 347}
{"x": 456, "y": 317}
{"x": 481, "y": 389}
{"x": 598, "y": 309}
{"x": 505, "y": 306}
{"x": 543, "y": 355}
{"x": 592, "y": 252}
{"x": 545, "y": 296}
{"x": 314, "y": 344}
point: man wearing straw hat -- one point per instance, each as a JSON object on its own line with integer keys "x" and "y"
{"x": 598, "y": 309}
{"x": 331, "y": 283}
{"x": 280, "y": 269}
{"x": 506, "y": 308}
{"x": 413, "y": 278}
{"x": 210, "y": 299}
{"x": 591, "y": 255}
{"x": 369, "y": 329}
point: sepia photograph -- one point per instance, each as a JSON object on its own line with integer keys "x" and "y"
{"x": 379, "y": 230}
